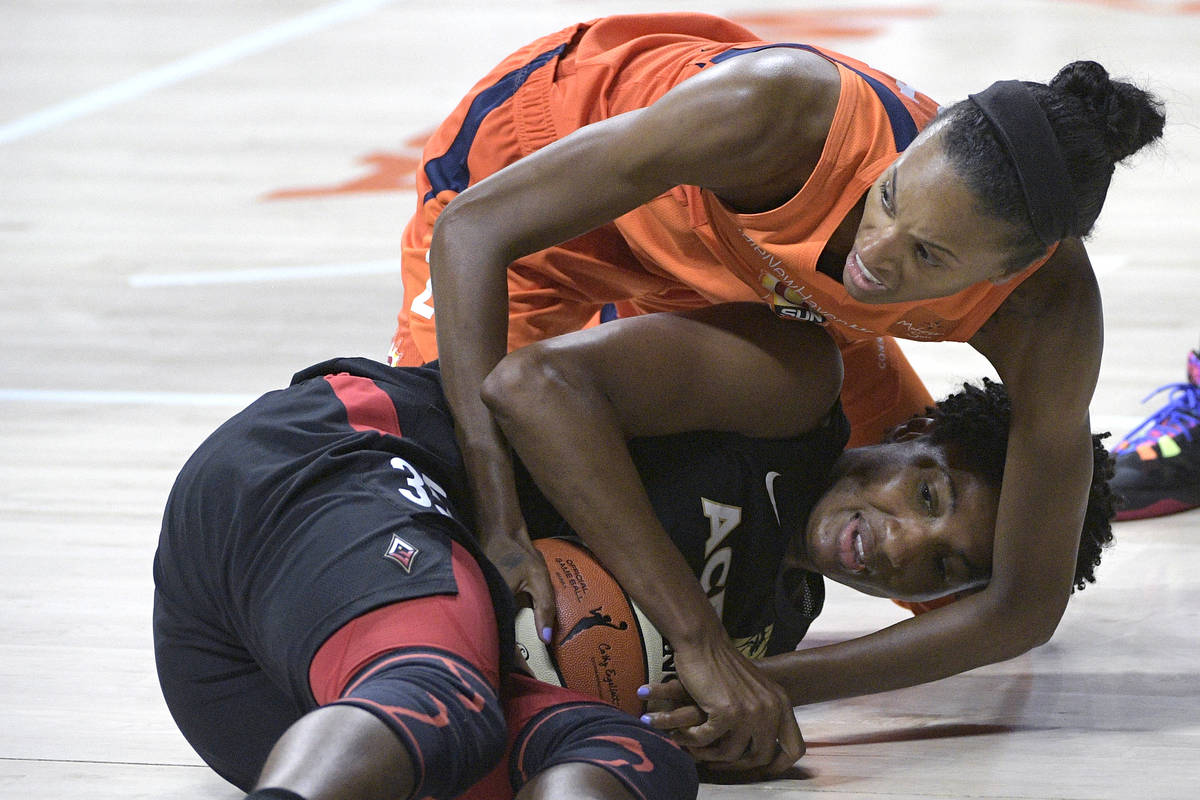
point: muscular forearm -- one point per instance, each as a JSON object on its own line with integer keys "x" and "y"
{"x": 936, "y": 645}
{"x": 595, "y": 486}
{"x": 471, "y": 294}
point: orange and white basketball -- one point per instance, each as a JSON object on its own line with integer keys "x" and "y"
{"x": 603, "y": 644}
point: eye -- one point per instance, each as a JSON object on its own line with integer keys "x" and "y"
{"x": 926, "y": 497}
{"x": 885, "y": 195}
{"x": 943, "y": 568}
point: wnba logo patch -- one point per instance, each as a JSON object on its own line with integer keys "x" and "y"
{"x": 401, "y": 552}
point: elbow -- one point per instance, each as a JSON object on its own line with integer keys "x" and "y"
{"x": 1024, "y": 622}
{"x": 1037, "y": 633}
{"x": 519, "y": 385}
{"x": 505, "y": 388}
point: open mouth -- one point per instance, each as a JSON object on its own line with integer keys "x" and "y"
{"x": 851, "y": 550}
{"x": 862, "y": 277}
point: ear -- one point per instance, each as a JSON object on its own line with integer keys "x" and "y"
{"x": 912, "y": 429}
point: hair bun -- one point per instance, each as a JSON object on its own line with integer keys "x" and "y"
{"x": 1128, "y": 117}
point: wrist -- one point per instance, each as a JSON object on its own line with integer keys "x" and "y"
{"x": 699, "y": 635}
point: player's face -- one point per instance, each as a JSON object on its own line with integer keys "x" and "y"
{"x": 902, "y": 521}
{"x": 922, "y": 233}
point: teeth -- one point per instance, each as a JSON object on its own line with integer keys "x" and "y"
{"x": 858, "y": 260}
{"x": 858, "y": 548}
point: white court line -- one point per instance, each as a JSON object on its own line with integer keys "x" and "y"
{"x": 95, "y": 397}
{"x": 187, "y": 67}
{"x": 259, "y": 274}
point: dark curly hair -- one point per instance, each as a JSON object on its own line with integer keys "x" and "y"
{"x": 1098, "y": 123}
{"x": 974, "y": 422}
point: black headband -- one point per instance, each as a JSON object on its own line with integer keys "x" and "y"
{"x": 1026, "y": 134}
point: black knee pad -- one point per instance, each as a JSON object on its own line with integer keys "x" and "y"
{"x": 442, "y": 708}
{"x": 646, "y": 761}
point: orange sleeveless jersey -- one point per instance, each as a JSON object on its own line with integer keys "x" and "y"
{"x": 684, "y": 248}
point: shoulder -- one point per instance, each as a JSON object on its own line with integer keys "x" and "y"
{"x": 758, "y": 112}
{"x": 1065, "y": 283}
{"x": 780, "y": 78}
{"x": 784, "y": 93}
{"x": 1050, "y": 330}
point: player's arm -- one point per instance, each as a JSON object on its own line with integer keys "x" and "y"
{"x": 1045, "y": 343}
{"x": 568, "y": 406}
{"x": 735, "y": 123}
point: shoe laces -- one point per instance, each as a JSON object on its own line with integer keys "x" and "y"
{"x": 1179, "y": 415}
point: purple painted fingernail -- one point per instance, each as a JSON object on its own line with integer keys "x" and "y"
{"x": 547, "y": 634}
{"x": 643, "y": 691}
{"x": 645, "y": 719}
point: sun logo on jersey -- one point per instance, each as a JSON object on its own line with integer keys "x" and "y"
{"x": 786, "y": 302}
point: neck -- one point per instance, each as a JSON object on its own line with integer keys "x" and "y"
{"x": 833, "y": 258}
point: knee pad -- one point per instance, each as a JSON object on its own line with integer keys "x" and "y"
{"x": 444, "y": 711}
{"x": 647, "y": 762}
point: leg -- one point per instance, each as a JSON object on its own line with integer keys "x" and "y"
{"x": 409, "y": 701}
{"x": 568, "y": 745}
{"x": 577, "y": 781}
{"x": 340, "y": 751}
{"x": 229, "y": 710}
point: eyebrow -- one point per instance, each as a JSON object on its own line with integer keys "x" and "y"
{"x": 896, "y": 210}
{"x": 953, "y": 488}
{"x": 974, "y": 571}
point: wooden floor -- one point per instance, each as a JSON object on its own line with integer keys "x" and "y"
{"x": 198, "y": 198}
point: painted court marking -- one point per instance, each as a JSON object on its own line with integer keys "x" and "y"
{"x": 187, "y": 67}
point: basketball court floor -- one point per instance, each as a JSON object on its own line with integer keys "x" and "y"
{"x": 199, "y": 198}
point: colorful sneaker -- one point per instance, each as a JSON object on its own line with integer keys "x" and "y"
{"x": 1158, "y": 462}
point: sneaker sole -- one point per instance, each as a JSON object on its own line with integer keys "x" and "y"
{"x": 1159, "y": 508}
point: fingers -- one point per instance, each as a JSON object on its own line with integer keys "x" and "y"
{"x": 770, "y": 748}
{"x": 781, "y": 757}
{"x": 670, "y": 696}
{"x": 681, "y": 719}
{"x": 524, "y": 570}
{"x": 746, "y": 714}
{"x": 541, "y": 597}
{"x": 791, "y": 743}
{"x": 736, "y": 773}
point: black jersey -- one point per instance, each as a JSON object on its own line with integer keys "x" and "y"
{"x": 316, "y": 504}
{"x": 731, "y": 504}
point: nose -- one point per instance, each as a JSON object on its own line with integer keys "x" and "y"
{"x": 879, "y": 251}
{"x": 901, "y": 544}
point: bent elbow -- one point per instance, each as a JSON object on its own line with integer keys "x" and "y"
{"x": 1026, "y": 623}
{"x": 519, "y": 387}
{"x": 1039, "y": 634}
{"x": 503, "y": 389}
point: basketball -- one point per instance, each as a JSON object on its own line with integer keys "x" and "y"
{"x": 603, "y": 644}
